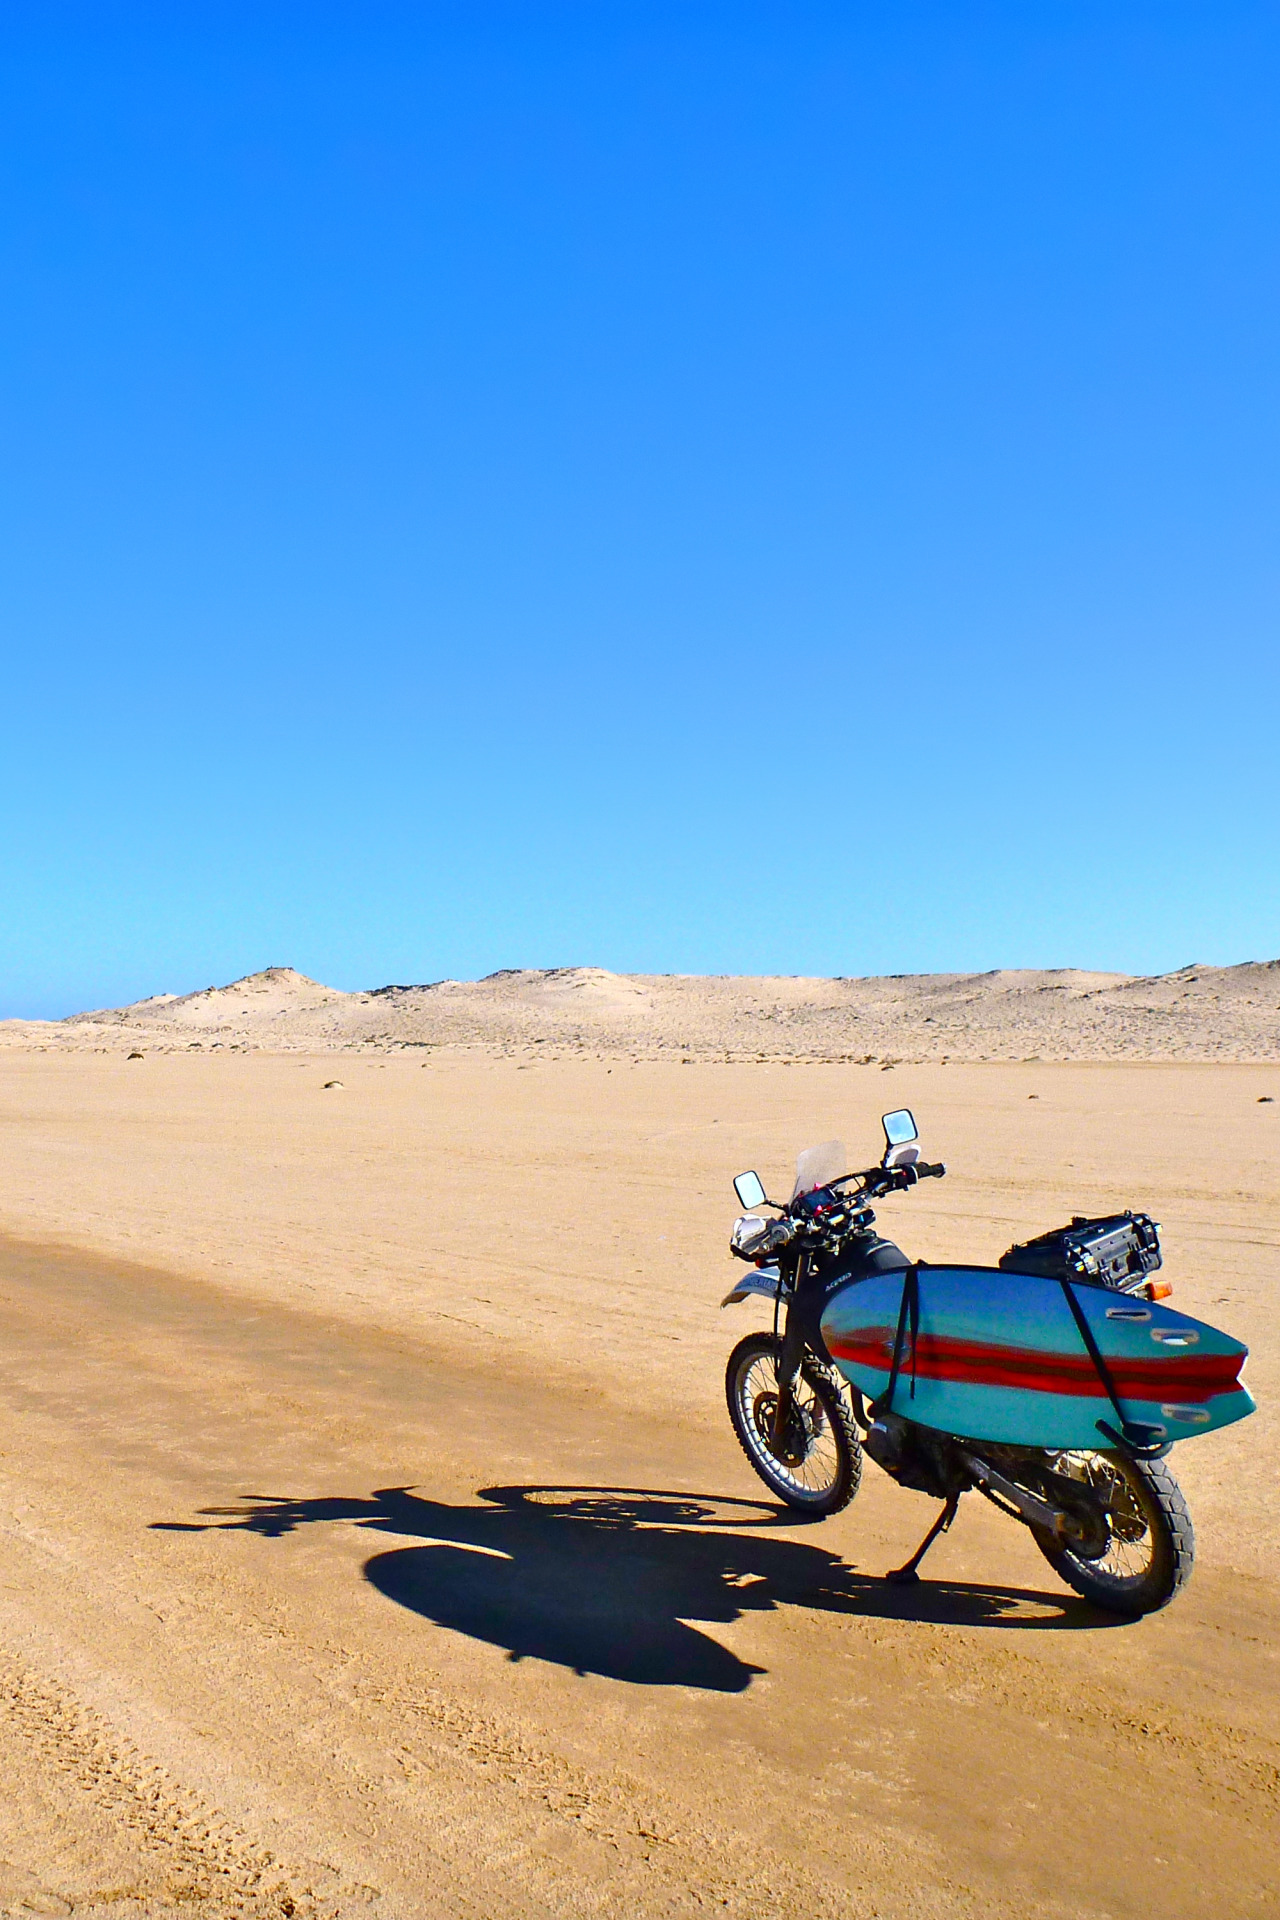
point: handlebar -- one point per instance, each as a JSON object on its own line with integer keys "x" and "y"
{"x": 877, "y": 1181}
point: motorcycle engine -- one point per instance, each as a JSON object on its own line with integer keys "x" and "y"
{"x": 907, "y": 1455}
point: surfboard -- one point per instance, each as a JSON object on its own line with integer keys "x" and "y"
{"x": 999, "y": 1356}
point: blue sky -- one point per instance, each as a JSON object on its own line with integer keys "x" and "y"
{"x": 722, "y": 488}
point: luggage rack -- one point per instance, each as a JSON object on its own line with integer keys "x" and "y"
{"x": 1118, "y": 1250}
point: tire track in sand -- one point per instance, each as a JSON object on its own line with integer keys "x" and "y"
{"x": 199, "y": 1857}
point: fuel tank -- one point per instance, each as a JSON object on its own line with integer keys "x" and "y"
{"x": 864, "y": 1256}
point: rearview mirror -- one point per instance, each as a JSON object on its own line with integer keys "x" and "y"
{"x": 900, "y": 1128}
{"x": 749, "y": 1190}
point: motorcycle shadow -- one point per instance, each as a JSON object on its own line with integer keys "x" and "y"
{"x": 611, "y": 1580}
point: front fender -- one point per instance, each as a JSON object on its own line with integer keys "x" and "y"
{"x": 765, "y": 1280}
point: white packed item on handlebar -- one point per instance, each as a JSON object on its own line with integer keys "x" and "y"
{"x": 750, "y": 1234}
{"x": 753, "y": 1236}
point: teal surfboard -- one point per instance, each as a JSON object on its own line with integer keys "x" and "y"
{"x": 999, "y": 1356}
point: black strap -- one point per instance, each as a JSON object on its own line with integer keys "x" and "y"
{"x": 915, "y": 1326}
{"x": 1134, "y": 1436}
{"x": 910, "y": 1309}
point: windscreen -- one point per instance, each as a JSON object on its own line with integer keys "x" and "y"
{"x": 819, "y": 1166}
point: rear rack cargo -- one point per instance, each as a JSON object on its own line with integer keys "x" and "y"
{"x": 1118, "y": 1251}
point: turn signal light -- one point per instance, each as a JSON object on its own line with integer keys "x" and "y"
{"x": 1158, "y": 1289}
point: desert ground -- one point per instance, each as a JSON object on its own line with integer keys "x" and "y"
{"x": 373, "y": 1540}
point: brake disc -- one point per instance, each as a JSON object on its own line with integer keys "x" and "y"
{"x": 794, "y": 1450}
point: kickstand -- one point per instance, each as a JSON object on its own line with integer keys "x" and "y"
{"x": 907, "y": 1576}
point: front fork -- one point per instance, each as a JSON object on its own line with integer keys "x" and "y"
{"x": 788, "y": 1371}
{"x": 789, "y": 1359}
{"x": 791, "y": 1356}
{"x": 794, "y": 1346}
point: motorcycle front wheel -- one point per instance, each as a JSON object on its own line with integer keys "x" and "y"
{"x": 817, "y": 1465}
{"x": 1149, "y": 1546}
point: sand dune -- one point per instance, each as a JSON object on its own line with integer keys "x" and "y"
{"x": 1196, "y": 1013}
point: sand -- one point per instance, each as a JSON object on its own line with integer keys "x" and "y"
{"x": 373, "y": 1540}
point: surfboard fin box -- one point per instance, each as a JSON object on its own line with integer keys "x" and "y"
{"x": 1142, "y": 1442}
{"x": 1135, "y": 1437}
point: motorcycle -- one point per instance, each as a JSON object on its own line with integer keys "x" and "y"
{"x": 986, "y": 1379}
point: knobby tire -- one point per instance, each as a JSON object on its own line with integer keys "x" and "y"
{"x": 761, "y": 1350}
{"x": 1171, "y": 1550}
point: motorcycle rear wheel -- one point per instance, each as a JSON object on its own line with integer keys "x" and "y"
{"x": 819, "y": 1467}
{"x": 1151, "y": 1546}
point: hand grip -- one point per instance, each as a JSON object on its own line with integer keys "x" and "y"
{"x": 925, "y": 1171}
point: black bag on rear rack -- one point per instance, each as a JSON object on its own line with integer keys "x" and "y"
{"x": 1116, "y": 1252}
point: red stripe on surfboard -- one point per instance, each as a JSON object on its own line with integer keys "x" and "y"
{"x": 1191, "y": 1377}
